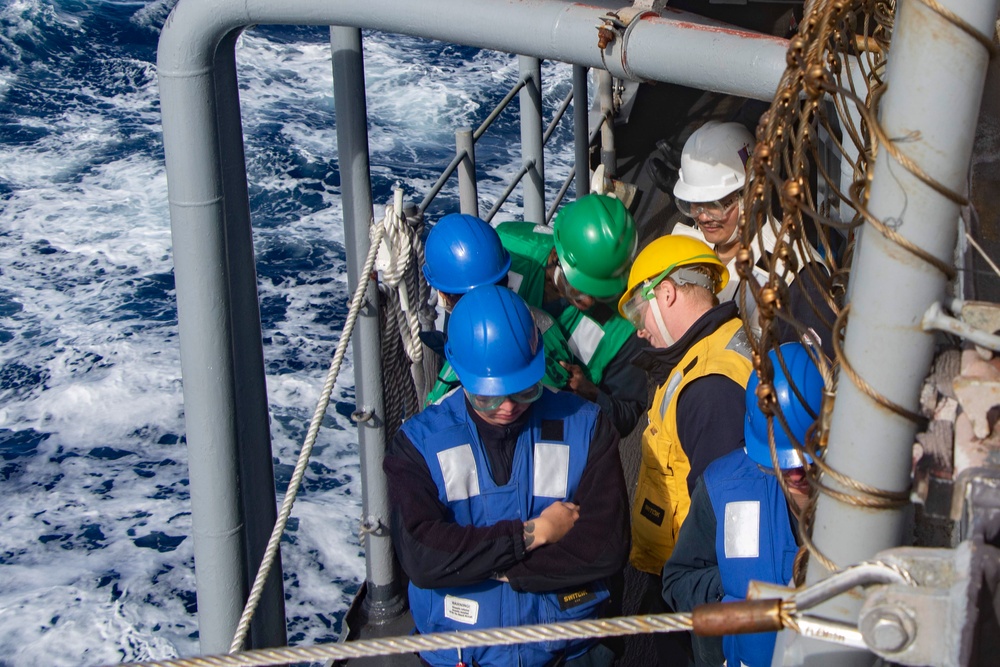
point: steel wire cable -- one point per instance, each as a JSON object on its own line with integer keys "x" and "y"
{"x": 607, "y": 627}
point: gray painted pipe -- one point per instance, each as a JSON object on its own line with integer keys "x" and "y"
{"x": 936, "y": 75}
{"x": 532, "y": 148}
{"x": 198, "y": 228}
{"x": 677, "y": 48}
{"x": 468, "y": 187}
{"x": 259, "y": 506}
{"x": 605, "y": 93}
{"x": 383, "y": 600}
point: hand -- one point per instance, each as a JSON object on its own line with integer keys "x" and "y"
{"x": 578, "y": 382}
{"x": 551, "y": 525}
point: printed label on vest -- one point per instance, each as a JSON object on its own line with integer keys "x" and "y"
{"x": 575, "y": 599}
{"x": 743, "y": 529}
{"x": 551, "y": 477}
{"x": 652, "y": 512}
{"x": 458, "y": 467}
{"x": 461, "y": 610}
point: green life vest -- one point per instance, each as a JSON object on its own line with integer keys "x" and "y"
{"x": 529, "y": 246}
{"x": 592, "y": 343}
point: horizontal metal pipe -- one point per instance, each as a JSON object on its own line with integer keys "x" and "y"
{"x": 676, "y": 48}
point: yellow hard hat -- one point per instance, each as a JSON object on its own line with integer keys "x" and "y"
{"x": 665, "y": 255}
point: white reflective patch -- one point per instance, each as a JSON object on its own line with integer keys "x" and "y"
{"x": 458, "y": 465}
{"x": 542, "y": 229}
{"x": 514, "y": 280}
{"x": 461, "y": 610}
{"x": 668, "y": 394}
{"x": 585, "y": 339}
{"x": 551, "y": 470}
{"x": 743, "y": 529}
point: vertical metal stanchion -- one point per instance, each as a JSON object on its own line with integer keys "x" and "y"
{"x": 605, "y": 94}
{"x": 530, "y": 99}
{"x": 581, "y": 130}
{"x": 257, "y": 493}
{"x": 384, "y": 600}
{"x": 468, "y": 187}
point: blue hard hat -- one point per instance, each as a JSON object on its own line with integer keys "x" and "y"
{"x": 463, "y": 252}
{"x": 493, "y": 343}
{"x": 808, "y": 383}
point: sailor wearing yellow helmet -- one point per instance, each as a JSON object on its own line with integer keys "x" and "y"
{"x": 701, "y": 362}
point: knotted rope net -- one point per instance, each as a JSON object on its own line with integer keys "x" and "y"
{"x": 825, "y": 112}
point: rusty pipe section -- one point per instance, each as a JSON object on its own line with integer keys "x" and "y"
{"x": 737, "y": 618}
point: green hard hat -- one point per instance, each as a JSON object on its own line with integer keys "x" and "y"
{"x": 596, "y": 242}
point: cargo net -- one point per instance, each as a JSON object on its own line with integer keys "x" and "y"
{"x": 807, "y": 191}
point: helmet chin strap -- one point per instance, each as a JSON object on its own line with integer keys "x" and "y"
{"x": 660, "y": 324}
{"x": 736, "y": 229}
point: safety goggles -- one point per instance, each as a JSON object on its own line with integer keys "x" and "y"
{"x": 572, "y": 294}
{"x": 488, "y": 403}
{"x": 713, "y": 210}
{"x": 635, "y": 308}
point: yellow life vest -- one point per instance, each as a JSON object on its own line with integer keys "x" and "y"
{"x": 661, "y": 498}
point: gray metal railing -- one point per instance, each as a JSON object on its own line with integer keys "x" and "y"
{"x": 464, "y": 161}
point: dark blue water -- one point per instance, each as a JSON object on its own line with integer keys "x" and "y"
{"x": 96, "y": 561}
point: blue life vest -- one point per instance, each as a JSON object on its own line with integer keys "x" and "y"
{"x": 753, "y": 540}
{"x": 549, "y": 459}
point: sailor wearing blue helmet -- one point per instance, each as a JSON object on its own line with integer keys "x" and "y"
{"x": 508, "y": 499}
{"x": 741, "y": 525}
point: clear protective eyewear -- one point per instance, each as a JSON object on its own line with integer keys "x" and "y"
{"x": 488, "y": 403}
{"x": 635, "y": 308}
{"x": 713, "y": 210}
{"x": 571, "y": 293}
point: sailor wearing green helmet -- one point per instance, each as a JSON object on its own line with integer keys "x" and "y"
{"x": 576, "y": 270}
{"x": 463, "y": 252}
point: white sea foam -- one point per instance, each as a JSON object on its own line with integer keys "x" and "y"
{"x": 96, "y": 555}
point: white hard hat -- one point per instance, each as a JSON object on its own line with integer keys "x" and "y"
{"x": 713, "y": 162}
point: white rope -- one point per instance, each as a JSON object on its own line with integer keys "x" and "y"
{"x": 270, "y": 552}
{"x": 400, "y": 242}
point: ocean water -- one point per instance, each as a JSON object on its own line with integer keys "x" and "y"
{"x": 96, "y": 555}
